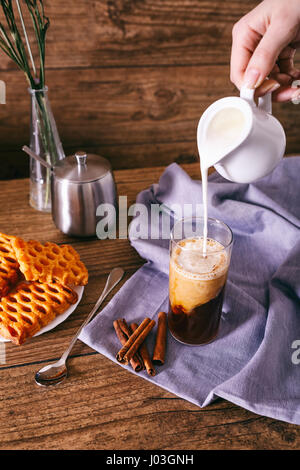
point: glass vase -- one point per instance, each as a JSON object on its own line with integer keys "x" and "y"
{"x": 45, "y": 142}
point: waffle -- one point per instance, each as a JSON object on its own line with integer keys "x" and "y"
{"x": 9, "y": 266}
{"x": 49, "y": 262}
{"x": 31, "y": 306}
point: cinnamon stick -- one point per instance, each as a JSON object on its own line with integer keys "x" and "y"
{"x": 134, "y": 341}
{"x": 161, "y": 337}
{"x": 123, "y": 333}
{"x": 144, "y": 353}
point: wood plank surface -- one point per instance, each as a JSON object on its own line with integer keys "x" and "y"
{"x": 105, "y": 33}
{"x": 102, "y": 405}
{"x": 129, "y": 79}
{"x": 134, "y": 117}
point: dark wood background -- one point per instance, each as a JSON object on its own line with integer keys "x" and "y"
{"x": 129, "y": 79}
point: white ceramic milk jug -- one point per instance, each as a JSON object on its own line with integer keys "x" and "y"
{"x": 242, "y": 140}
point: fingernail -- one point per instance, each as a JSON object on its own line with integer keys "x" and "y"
{"x": 296, "y": 97}
{"x": 252, "y": 78}
{"x": 269, "y": 87}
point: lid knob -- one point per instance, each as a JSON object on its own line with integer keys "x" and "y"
{"x": 81, "y": 158}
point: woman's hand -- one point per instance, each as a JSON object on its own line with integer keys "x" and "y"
{"x": 264, "y": 45}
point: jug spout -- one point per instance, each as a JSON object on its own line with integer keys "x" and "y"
{"x": 223, "y": 127}
{"x": 243, "y": 141}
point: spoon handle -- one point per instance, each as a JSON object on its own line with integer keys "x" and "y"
{"x": 36, "y": 157}
{"x": 114, "y": 277}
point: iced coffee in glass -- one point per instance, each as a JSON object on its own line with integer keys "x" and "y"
{"x": 198, "y": 271}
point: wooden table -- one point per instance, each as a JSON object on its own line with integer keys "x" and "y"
{"x": 101, "y": 405}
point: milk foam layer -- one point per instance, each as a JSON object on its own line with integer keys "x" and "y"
{"x": 191, "y": 262}
{"x": 195, "y": 280}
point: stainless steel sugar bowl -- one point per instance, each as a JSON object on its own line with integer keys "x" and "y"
{"x": 80, "y": 183}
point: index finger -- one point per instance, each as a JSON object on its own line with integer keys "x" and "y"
{"x": 244, "y": 43}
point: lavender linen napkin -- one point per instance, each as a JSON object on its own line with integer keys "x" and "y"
{"x": 255, "y": 361}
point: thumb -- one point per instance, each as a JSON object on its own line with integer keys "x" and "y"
{"x": 276, "y": 38}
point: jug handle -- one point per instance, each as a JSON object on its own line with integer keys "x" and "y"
{"x": 264, "y": 102}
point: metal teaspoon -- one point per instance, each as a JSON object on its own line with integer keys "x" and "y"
{"x": 56, "y": 372}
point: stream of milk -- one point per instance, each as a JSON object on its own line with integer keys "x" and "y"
{"x": 223, "y": 130}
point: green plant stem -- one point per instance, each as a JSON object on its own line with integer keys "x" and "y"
{"x": 16, "y": 45}
{"x": 46, "y": 135}
{"x": 12, "y": 44}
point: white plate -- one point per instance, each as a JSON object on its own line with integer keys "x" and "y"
{"x": 59, "y": 319}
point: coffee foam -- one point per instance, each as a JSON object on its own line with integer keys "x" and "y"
{"x": 190, "y": 262}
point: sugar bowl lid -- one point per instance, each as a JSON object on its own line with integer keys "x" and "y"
{"x": 82, "y": 168}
